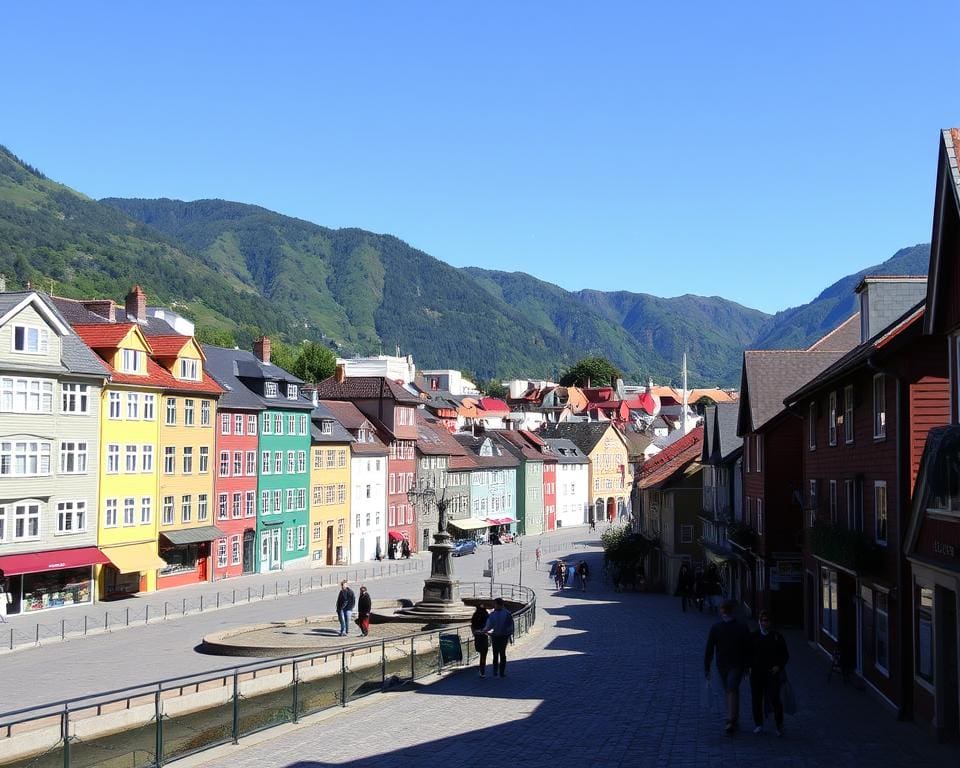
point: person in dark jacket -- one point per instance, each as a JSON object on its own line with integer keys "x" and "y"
{"x": 768, "y": 657}
{"x": 730, "y": 640}
{"x": 685, "y": 586}
{"x": 481, "y": 641}
{"x": 405, "y": 549}
{"x": 346, "y": 601}
{"x": 500, "y": 628}
{"x": 364, "y": 605}
{"x": 712, "y": 587}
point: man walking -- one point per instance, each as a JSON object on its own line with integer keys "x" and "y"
{"x": 345, "y": 603}
{"x": 500, "y": 628}
{"x": 768, "y": 657}
{"x": 730, "y": 639}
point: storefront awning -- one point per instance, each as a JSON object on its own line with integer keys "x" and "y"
{"x": 395, "y": 535}
{"x": 193, "y": 535}
{"x": 469, "y": 524}
{"x": 54, "y": 560}
{"x": 716, "y": 557}
{"x": 500, "y": 520}
{"x": 134, "y": 558}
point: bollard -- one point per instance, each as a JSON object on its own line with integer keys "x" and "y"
{"x": 105, "y": 620}
{"x": 63, "y": 628}
{"x": 201, "y": 603}
{"x": 263, "y": 591}
{"x": 300, "y": 585}
{"x": 84, "y": 625}
{"x": 146, "y": 615}
{"x": 288, "y": 586}
{"x": 11, "y": 638}
{"x": 164, "y": 610}
{"x": 234, "y": 597}
{"x": 128, "y": 617}
{"x": 218, "y": 599}
{"x": 183, "y": 607}
{"x": 248, "y": 594}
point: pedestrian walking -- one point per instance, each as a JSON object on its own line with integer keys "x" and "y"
{"x": 481, "y": 641}
{"x": 712, "y": 588}
{"x": 729, "y": 639}
{"x": 500, "y": 628}
{"x": 405, "y": 548}
{"x": 593, "y": 525}
{"x": 346, "y": 601}
{"x": 561, "y": 575}
{"x": 537, "y": 553}
{"x": 768, "y": 657}
{"x": 582, "y": 573}
{"x": 685, "y": 586}
{"x": 364, "y": 605}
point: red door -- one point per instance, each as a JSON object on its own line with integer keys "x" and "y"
{"x": 203, "y": 552}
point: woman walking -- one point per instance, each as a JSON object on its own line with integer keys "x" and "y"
{"x": 481, "y": 640}
{"x": 684, "y": 585}
{"x": 363, "y": 611}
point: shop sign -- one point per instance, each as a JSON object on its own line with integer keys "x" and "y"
{"x": 944, "y": 549}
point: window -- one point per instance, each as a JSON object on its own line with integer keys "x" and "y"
{"x": 171, "y": 411}
{"x": 747, "y": 447}
{"x": 302, "y": 461}
{"x": 265, "y": 463}
{"x": 146, "y": 510}
{"x": 879, "y": 406}
{"x": 237, "y": 508}
{"x": 812, "y": 426}
{"x": 73, "y": 458}
{"x": 301, "y": 498}
{"x": 221, "y": 553}
{"x": 110, "y": 514}
{"x": 265, "y": 502}
{"x": 357, "y": 524}
{"x": 131, "y": 360}
{"x": 848, "y": 413}
{"x": 761, "y": 575}
{"x": 832, "y": 423}
{"x": 237, "y": 463}
{"x": 686, "y": 534}
{"x": 113, "y": 458}
{"x": 812, "y": 504}
{"x": 204, "y": 459}
{"x": 290, "y": 500}
{"x": 71, "y": 517}
{"x": 251, "y": 468}
{"x": 923, "y": 642}
{"x": 187, "y": 460}
{"x": 270, "y": 389}
{"x": 317, "y": 495}
{"x": 290, "y": 539}
{"x": 222, "y": 507}
{"x": 31, "y": 339}
{"x": 342, "y": 495}
{"x": 882, "y": 633}
{"x": 249, "y": 510}
{"x": 265, "y": 427}
{"x": 880, "y": 511}
{"x": 238, "y": 424}
{"x": 292, "y": 424}
{"x": 854, "y": 497}
{"x": 129, "y": 511}
{"x": 278, "y": 424}
{"x": 186, "y": 512}
{"x": 204, "y": 413}
{"x": 114, "y": 405}
{"x": 202, "y": 507}
{"x": 329, "y": 494}
{"x": 190, "y": 368}
{"x": 26, "y": 458}
{"x": 301, "y": 537}
{"x": 759, "y": 517}
{"x": 167, "y": 515}
{"x": 169, "y": 460}
{"x": 303, "y": 424}
{"x": 828, "y": 601}
{"x": 148, "y": 404}
{"x": 188, "y": 411}
{"x": 342, "y": 458}
{"x": 74, "y": 398}
{"x": 293, "y": 392}
{"x": 759, "y": 442}
{"x": 331, "y": 458}
{"x": 224, "y": 464}
{"x": 133, "y": 405}
{"x": 28, "y": 396}
{"x": 235, "y": 550}
{"x": 833, "y": 501}
{"x": 130, "y": 452}
{"x": 224, "y": 423}
{"x": 278, "y": 463}
{"x": 251, "y": 425}
{"x": 277, "y": 502}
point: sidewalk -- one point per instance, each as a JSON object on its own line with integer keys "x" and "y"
{"x": 613, "y": 679}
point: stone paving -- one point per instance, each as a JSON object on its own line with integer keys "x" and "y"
{"x": 608, "y": 679}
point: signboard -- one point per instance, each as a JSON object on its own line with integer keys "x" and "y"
{"x": 450, "y": 650}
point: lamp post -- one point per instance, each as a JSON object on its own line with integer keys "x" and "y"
{"x": 520, "y": 543}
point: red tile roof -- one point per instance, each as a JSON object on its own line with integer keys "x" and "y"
{"x": 494, "y": 404}
{"x": 672, "y": 459}
{"x": 168, "y": 346}
{"x": 103, "y": 335}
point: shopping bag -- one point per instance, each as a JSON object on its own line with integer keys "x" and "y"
{"x": 787, "y": 696}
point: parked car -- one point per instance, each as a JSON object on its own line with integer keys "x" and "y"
{"x": 463, "y": 547}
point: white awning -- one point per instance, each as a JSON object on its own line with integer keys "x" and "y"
{"x": 469, "y": 524}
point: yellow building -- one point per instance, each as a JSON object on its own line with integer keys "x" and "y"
{"x": 185, "y": 461}
{"x": 329, "y": 490}
{"x": 129, "y": 434}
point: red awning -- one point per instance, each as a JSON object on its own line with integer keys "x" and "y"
{"x": 395, "y": 535}
{"x": 500, "y": 520}
{"x": 55, "y": 560}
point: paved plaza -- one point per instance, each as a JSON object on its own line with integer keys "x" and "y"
{"x": 607, "y": 680}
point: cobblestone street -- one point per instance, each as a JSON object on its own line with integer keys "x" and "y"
{"x": 608, "y": 679}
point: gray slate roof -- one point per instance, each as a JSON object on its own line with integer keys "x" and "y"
{"x": 843, "y": 338}
{"x": 501, "y": 458}
{"x": 352, "y": 419}
{"x": 338, "y": 434}
{"x": 76, "y": 313}
{"x": 721, "y": 442}
{"x": 228, "y": 366}
{"x": 365, "y": 388}
{"x": 565, "y": 451}
{"x": 584, "y": 434}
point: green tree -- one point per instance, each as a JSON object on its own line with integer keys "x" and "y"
{"x": 283, "y": 355}
{"x": 495, "y": 388}
{"x": 595, "y": 371}
{"x": 314, "y": 363}
{"x": 218, "y": 337}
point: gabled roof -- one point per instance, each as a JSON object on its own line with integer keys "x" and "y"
{"x": 676, "y": 458}
{"x": 338, "y": 434}
{"x": 721, "y": 442}
{"x": 908, "y": 325}
{"x": 170, "y": 345}
{"x": 494, "y": 405}
{"x": 230, "y": 366}
{"x": 519, "y": 446}
{"x": 365, "y": 388}
{"x": 501, "y": 459}
{"x": 77, "y": 313}
{"x": 433, "y": 439}
{"x": 768, "y": 376}
{"x": 843, "y": 338}
{"x": 585, "y": 434}
{"x": 350, "y": 417}
{"x": 946, "y": 207}
{"x": 12, "y": 304}
{"x": 565, "y": 451}
{"x": 107, "y": 335}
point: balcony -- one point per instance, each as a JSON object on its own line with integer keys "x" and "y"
{"x": 851, "y": 549}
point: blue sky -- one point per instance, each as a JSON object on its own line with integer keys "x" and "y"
{"x": 747, "y": 150}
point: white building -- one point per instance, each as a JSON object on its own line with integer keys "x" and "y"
{"x": 448, "y": 380}
{"x": 391, "y": 367}
{"x": 368, "y": 500}
{"x": 573, "y": 483}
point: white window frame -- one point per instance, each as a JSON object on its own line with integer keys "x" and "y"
{"x": 39, "y": 452}
{"x": 75, "y": 452}
{"x": 71, "y": 517}
{"x": 204, "y": 413}
{"x": 848, "y": 413}
{"x": 170, "y": 410}
{"x": 74, "y": 399}
{"x": 149, "y": 405}
{"x": 880, "y": 512}
{"x": 41, "y": 336}
{"x": 270, "y": 389}
{"x": 131, "y": 361}
{"x": 879, "y": 406}
{"x": 829, "y": 610}
{"x": 832, "y": 418}
{"x": 190, "y": 369}
{"x": 19, "y": 394}
{"x": 879, "y": 612}
{"x": 812, "y": 426}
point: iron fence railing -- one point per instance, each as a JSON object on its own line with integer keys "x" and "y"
{"x": 14, "y": 633}
{"x": 158, "y": 722}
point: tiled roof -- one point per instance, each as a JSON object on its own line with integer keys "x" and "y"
{"x": 671, "y": 460}
{"x": 516, "y": 444}
{"x": 565, "y": 451}
{"x": 433, "y": 439}
{"x": 843, "y": 338}
{"x": 585, "y": 434}
{"x": 338, "y": 433}
{"x": 365, "y": 388}
{"x": 721, "y": 441}
{"x": 501, "y": 458}
{"x": 352, "y": 420}
{"x": 230, "y": 366}
{"x": 104, "y": 335}
{"x": 769, "y": 375}
{"x": 75, "y": 312}
{"x": 494, "y": 405}
{"x": 168, "y": 345}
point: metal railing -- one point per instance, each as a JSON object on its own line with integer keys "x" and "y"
{"x": 12, "y": 635}
{"x": 158, "y": 722}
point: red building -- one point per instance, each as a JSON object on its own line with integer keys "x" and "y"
{"x": 392, "y": 411}
{"x": 549, "y": 493}
{"x": 865, "y": 420}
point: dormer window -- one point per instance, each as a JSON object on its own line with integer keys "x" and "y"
{"x": 270, "y": 389}
{"x": 190, "y": 369}
{"x": 31, "y": 339}
{"x": 293, "y": 391}
{"x": 326, "y": 427}
{"x": 131, "y": 360}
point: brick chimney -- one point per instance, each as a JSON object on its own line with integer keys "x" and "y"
{"x": 261, "y": 349}
{"x": 105, "y": 308}
{"x": 136, "y": 305}
{"x": 341, "y": 373}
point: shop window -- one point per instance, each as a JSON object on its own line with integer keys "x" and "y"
{"x": 923, "y": 660}
{"x": 828, "y": 602}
